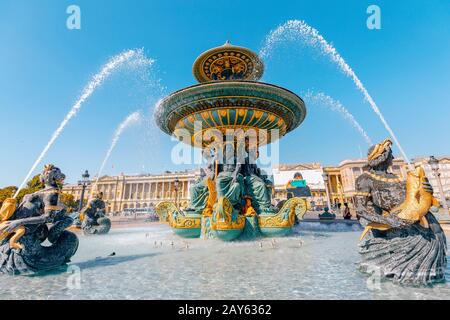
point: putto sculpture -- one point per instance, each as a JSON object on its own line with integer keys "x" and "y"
{"x": 93, "y": 219}
{"x": 38, "y": 218}
{"x": 402, "y": 239}
{"x": 230, "y": 115}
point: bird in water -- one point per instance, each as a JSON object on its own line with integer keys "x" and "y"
{"x": 273, "y": 243}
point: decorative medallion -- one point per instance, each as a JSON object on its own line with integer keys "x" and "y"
{"x": 228, "y": 62}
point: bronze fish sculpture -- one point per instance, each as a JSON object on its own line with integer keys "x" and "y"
{"x": 416, "y": 205}
{"x": 418, "y": 201}
{"x": 6, "y": 211}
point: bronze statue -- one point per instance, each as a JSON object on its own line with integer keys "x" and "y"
{"x": 199, "y": 191}
{"x": 39, "y": 217}
{"x": 94, "y": 220}
{"x": 402, "y": 238}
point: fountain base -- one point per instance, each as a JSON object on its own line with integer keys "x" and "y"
{"x": 228, "y": 223}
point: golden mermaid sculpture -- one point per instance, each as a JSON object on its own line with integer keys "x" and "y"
{"x": 417, "y": 203}
{"x": 7, "y": 210}
{"x": 402, "y": 240}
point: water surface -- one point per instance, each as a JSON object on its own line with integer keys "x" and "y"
{"x": 313, "y": 263}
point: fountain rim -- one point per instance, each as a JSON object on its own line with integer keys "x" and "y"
{"x": 162, "y": 103}
{"x": 230, "y": 81}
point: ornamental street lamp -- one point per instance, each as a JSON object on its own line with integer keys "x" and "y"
{"x": 84, "y": 182}
{"x": 176, "y": 185}
{"x": 434, "y": 164}
{"x": 325, "y": 179}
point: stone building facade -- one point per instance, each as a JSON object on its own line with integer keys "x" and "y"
{"x": 444, "y": 171}
{"x": 126, "y": 192}
{"x": 311, "y": 172}
{"x": 342, "y": 178}
{"x": 140, "y": 191}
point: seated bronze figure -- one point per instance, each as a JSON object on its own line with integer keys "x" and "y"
{"x": 38, "y": 218}
{"x": 402, "y": 240}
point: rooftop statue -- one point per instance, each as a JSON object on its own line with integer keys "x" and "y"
{"x": 402, "y": 239}
{"x": 38, "y": 218}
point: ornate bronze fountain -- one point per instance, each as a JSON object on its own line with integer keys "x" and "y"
{"x": 231, "y": 199}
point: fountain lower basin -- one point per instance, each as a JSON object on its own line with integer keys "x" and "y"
{"x": 322, "y": 267}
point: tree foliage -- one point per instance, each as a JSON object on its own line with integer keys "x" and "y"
{"x": 33, "y": 185}
{"x": 7, "y": 192}
{"x": 69, "y": 201}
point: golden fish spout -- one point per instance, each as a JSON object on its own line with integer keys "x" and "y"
{"x": 416, "y": 205}
{"x": 418, "y": 201}
{"x": 8, "y": 208}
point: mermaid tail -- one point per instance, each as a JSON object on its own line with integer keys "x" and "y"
{"x": 35, "y": 257}
{"x": 13, "y": 241}
{"x": 414, "y": 255}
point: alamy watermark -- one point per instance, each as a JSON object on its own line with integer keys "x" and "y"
{"x": 73, "y": 21}
{"x": 373, "y": 22}
{"x": 226, "y": 146}
{"x": 74, "y": 278}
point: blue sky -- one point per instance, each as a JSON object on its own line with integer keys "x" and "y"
{"x": 44, "y": 66}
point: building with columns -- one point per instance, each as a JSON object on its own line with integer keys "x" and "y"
{"x": 342, "y": 178}
{"x": 138, "y": 191}
{"x": 443, "y": 167}
{"x": 146, "y": 191}
{"x": 312, "y": 174}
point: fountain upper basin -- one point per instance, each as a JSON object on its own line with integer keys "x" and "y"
{"x": 226, "y": 105}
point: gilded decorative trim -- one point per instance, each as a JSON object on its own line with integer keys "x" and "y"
{"x": 192, "y": 104}
{"x": 285, "y": 218}
{"x": 164, "y": 209}
{"x": 384, "y": 179}
{"x": 222, "y": 217}
{"x": 6, "y": 211}
{"x": 183, "y": 222}
{"x": 196, "y": 139}
{"x": 212, "y": 198}
{"x": 184, "y": 102}
{"x": 244, "y": 63}
{"x": 248, "y": 209}
{"x": 275, "y": 221}
{"x": 362, "y": 194}
{"x": 52, "y": 208}
{"x": 168, "y": 211}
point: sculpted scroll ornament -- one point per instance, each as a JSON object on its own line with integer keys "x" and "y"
{"x": 223, "y": 217}
{"x": 286, "y": 216}
{"x": 168, "y": 210}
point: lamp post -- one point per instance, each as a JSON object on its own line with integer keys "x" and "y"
{"x": 176, "y": 185}
{"x": 434, "y": 164}
{"x": 84, "y": 182}
{"x": 325, "y": 180}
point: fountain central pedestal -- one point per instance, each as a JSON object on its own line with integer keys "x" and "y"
{"x": 229, "y": 115}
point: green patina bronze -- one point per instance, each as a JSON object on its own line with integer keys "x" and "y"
{"x": 233, "y": 198}
{"x": 241, "y": 100}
